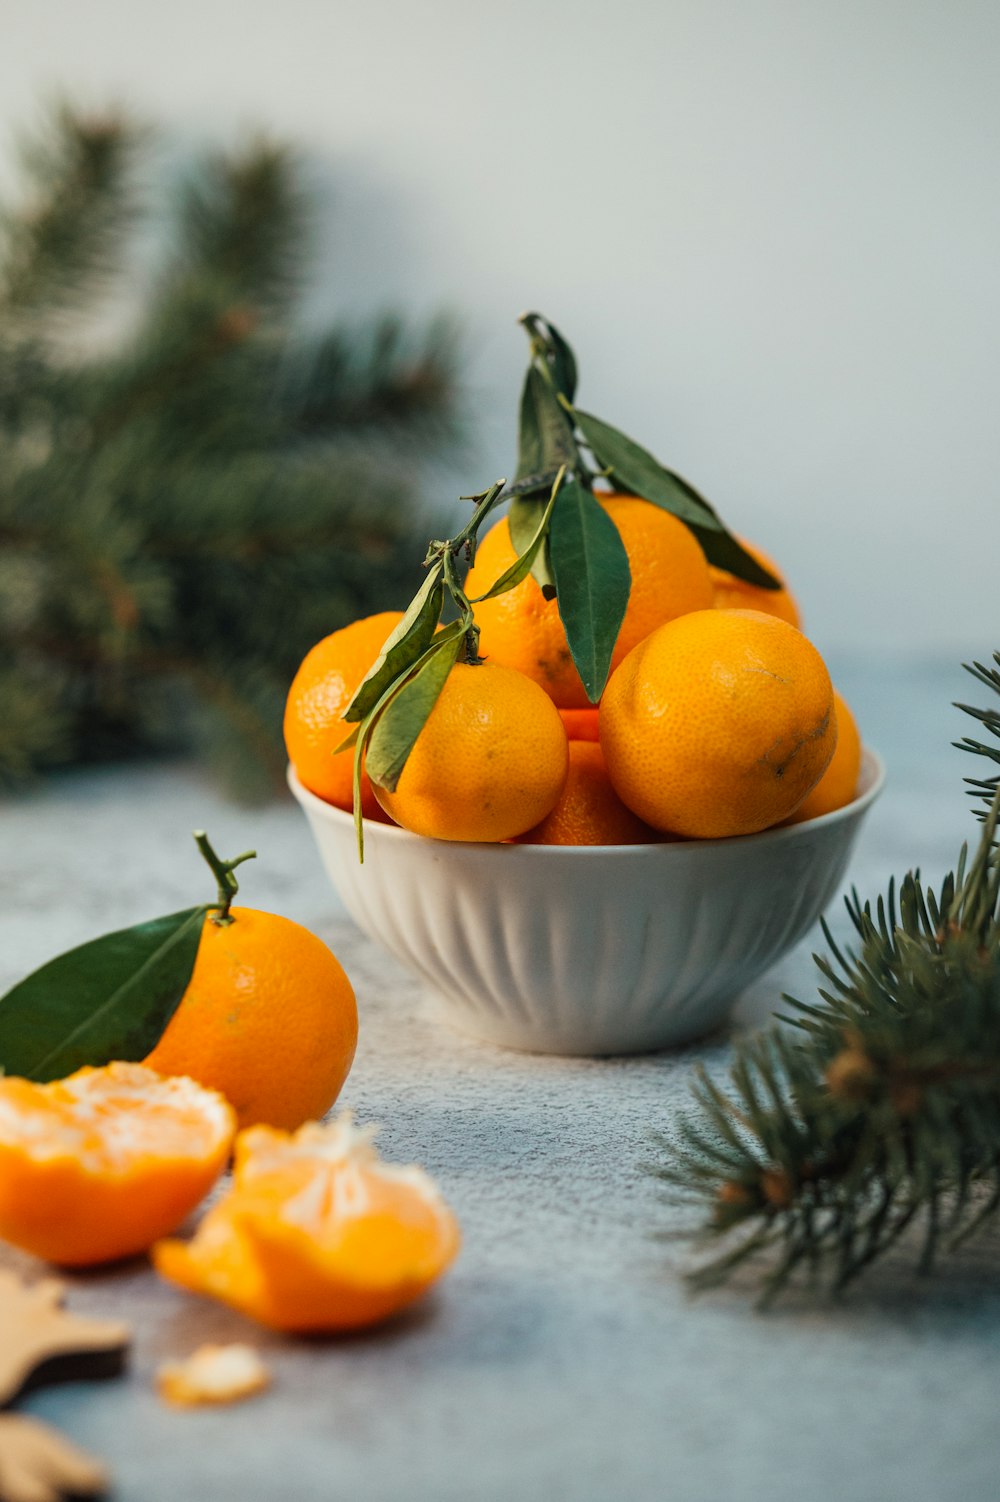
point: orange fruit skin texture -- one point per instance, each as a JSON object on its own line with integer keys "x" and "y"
{"x": 98, "y": 1166}
{"x": 718, "y": 724}
{"x": 268, "y": 1018}
{"x": 316, "y": 1234}
{"x": 589, "y": 811}
{"x": 580, "y": 724}
{"x": 489, "y": 763}
{"x": 321, "y": 690}
{"x": 521, "y": 629}
{"x": 736, "y": 594}
{"x": 839, "y": 783}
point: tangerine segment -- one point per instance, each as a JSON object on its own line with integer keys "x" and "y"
{"x": 521, "y": 629}
{"x": 718, "y": 724}
{"x": 589, "y": 811}
{"x": 269, "y": 1018}
{"x": 732, "y": 593}
{"x": 99, "y": 1165}
{"x": 839, "y": 783}
{"x": 317, "y": 1234}
{"x": 488, "y": 764}
{"x": 321, "y": 690}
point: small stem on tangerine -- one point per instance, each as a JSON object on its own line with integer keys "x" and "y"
{"x": 222, "y": 870}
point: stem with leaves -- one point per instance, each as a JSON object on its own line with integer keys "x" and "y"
{"x": 393, "y": 701}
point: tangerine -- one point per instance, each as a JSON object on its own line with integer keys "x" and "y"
{"x": 580, "y": 724}
{"x": 97, "y": 1166}
{"x": 317, "y": 1234}
{"x": 718, "y": 724}
{"x": 321, "y": 690}
{"x": 522, "y": 629}
{"x": 268, "y": 1018}
{"x": 488, "y": 764}
{"x": 839, "y": 783}
{"x": 588, "y": 810}
{"x": 732, "y": 593}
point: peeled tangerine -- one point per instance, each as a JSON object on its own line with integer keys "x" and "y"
{"x": 317, "y": 1234}
{"x": 97, "y": 1166}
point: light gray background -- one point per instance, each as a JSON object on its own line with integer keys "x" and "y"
{"x": 770, "y": 226}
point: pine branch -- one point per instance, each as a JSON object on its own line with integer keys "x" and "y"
{"x": 184, "y": 511}
{"x": 65, "y": 241}
{"x": 881, "y": 1111}
{"x": 983, "y": 787}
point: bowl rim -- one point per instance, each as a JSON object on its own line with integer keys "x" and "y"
{"x": 872, "y": 777}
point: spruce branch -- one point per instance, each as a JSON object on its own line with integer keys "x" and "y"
{"x": 67, "y": 238}
{"x": 878, "y": 1110}
{"x": 187, "y": 507}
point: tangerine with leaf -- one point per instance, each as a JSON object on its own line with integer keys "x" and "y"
{"x": 268, "y": 1017}
{"x": 522, "y": 629}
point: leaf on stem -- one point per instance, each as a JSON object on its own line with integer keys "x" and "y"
{"x": 396, "y": 730}
{"x": 108, "y": 999}
{"x": 530, "y": 549}
{"x": 593, "y": 580}
{"x": 404, "y": 645}
{"x": 638, "y": 472}
{"x": 555, "y": 350}
{"x": 545, "y": 434}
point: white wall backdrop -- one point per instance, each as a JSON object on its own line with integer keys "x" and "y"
{"x": 770, "y": 227}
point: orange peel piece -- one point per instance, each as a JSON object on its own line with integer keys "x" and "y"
{"x": 317, "y": 1233}
{"x": 213, "y": 1374}
{"x": 101, "y": 1164}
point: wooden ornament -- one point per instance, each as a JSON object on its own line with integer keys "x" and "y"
{"x": 38, "y": 1465}
{"x": 41, "y": 1342}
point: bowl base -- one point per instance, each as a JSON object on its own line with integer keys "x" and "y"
{"x": 574, "y": 1040}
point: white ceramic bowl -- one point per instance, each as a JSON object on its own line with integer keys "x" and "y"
{"x": 588, "y": 949}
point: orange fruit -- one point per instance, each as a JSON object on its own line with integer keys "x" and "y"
{"x": 580, "y": 724}
{"x": 839, "y": 783}
{"x": 588, "y": 810}
{"x": 718, "y": 724}
{"x": 321, "y": 690}
{"x": 316, "y": 1234}
{"x": 99, "y": 1165}
{"x": 736, "y": 594}
{"x": 268, "y": 1018}
{"x": 489, "y": 763}
{"x": 521, "y": 629}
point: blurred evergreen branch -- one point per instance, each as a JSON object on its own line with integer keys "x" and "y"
{"x": 184, "y": 513}
{"x": 881, "y": 1112}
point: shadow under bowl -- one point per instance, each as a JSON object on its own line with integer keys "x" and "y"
{"x": 588, "y": 950}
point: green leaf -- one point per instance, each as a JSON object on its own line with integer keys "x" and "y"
{"x": 406, "y": 714}
{"x": 403, "y": 646}
{"x": 545, "y": 435}
{"x": 523, "y": 519}
{"x": 525, "y": 562}
{"x": 593, "y": 580}
{"x": 560, "y": 357}
{"x": 638, "y": 472}
{"x": 109, "y": 999}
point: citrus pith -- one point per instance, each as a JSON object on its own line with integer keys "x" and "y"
{"x": 99, "y": 1165}
{"x": 317, "y": 1233}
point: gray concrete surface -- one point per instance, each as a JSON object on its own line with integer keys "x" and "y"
{"x": 562, "y": 1359}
